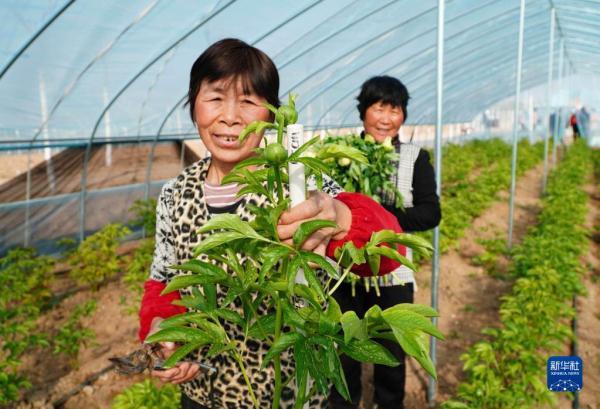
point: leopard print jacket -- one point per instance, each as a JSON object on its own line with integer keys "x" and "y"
{"x": 181, "y": 211}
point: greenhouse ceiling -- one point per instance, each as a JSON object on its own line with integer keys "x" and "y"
{"x": 74, "y": 71}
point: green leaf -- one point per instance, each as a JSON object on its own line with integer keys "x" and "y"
{"x": 333, "y": 311}
{"x": 390, "y": 253}
{"x": 336, "y": 372}
{"x": 250, "y": 128}
{"x": 293, "y": 267}
{"x": 292, "y": 317}
{"x": 191, "y": 280}
{"x": 210, "y": 292}
{"x": 276, "y": 212}
{"x": 270, "y": 257}
{"x": 181, "y": 353}
{"x": 302, "y": 148}
{"x": 229, "y": 315}
{"x": 406, "y": 320}
{"x": 284, "y": 342}
{"x": 369, "y": 351}
{"x": 415, "y": 242}
{"x": 349, "y": 254}
{"x": 216, "y": 240}
{"x": 408, "y": 328}
{"x": 327, "y": 326}
{"x": 338, "y": 151}
{"x": 202, "y": 267}
{"x": 308, "y": 228}
{"x": 215, "y": 331}
{"x": 260, "y": 128}
{"x": 232, "y": 294}
{"x": 251, "y": 161}
{"x": 315, "y": 164}
{"x": 301, "y": 358}
{"x": 231, "y": 222}
{"x": 179, "y": 320}
{"x": 317, "y": 370}
{"x": 254, "y": 127}
{"x": 416, "y": 308}
{"x": 373, "y": 316}
{"x": 312, "y": 280}
{"x": 322, "y": 262}
{"x": 263, "y": 327}
{"x": 270, "y": 107}
{"x": 179, "y": 334}
{"x": 196, "y": 302}
{"x": 374, "y": 261}
{"x": 353, "y": 327}
{"x": 217, "y": 349}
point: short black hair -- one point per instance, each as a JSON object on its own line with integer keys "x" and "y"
{"x": 385, "y": 89}
{"x": 233, "y": 58}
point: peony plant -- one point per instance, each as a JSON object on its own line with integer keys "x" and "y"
{"x": 303, "y": 316}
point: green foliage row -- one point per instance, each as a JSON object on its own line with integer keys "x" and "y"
{"x": 96, "y": 258}
{"x": 508, "y": 370}
{"x": 474, "y": 181}
{"x": 72, "y": 335}
{"x": 138, "y": 270}
{"x": 24, "y": 288}
{"x": 144, "y": 212}
{"x": 25, "y": 279}
{"x": 146, "y": 395}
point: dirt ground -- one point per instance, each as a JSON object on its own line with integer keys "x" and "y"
{"x": 115, "y": 327}
{"x": 469, "y": 301}
{"x": 588, "y": 310}
{"x": 15, "y": 164}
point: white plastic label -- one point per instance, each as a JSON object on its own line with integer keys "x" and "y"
{"x": 295, "y": 139}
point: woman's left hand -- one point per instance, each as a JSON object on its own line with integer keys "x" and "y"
{"x": 319, "y": 206}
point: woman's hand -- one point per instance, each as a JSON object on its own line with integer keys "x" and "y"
{"x": 182, "y": 372}
{"x": 319, "y": 206}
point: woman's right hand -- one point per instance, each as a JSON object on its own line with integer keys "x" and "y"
{"x": 180, "y": 373}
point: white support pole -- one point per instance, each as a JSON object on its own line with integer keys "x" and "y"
{"x": 107, "y": 132}
{"x": 432, "y": 386}
{"x": 46, "y": 135}
{"x": 549, "y": 96}
{"x": 531, "y": 119}
{"x": 558, "y": 113}
{"x": 513, "y": 178}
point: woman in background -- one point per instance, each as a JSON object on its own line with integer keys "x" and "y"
{"x": 382, "y": 104}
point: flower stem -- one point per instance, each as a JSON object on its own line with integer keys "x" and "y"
{"x": 277, "y": 359}
{"x": 238, "y": 358}
{"x": 340, "y": 281}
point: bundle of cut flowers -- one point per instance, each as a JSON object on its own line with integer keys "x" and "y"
{"x": 371, "y": 177}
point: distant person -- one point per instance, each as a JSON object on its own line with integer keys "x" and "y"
{"x": 551, "y": 121}
{"x": 574, "y": 125}
{"x": 584, "y": 122}
{"x": 382, "y": 107}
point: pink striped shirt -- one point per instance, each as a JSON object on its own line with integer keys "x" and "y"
{"x": 221, "y": 195}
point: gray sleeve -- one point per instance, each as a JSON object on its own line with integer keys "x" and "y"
{"x": 164, "y": 250}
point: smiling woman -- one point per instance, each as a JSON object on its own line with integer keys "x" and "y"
{"x": 222, "y": 110}
{"x": 231, "y": 84}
